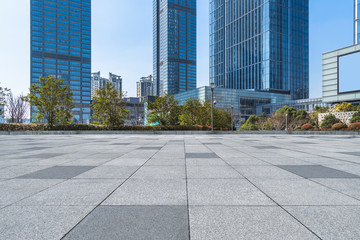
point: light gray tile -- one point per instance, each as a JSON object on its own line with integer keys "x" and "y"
{"x": 150, "y": 192}
{"x": 107, "y": 172}
{"x": 201, "y": 155}
{"x": 160, "y": 172}
{"x": 237, "y": 222}
{"x": 225, "y": 192}
{"x": 34, "y": 222}
{"x": 79, "y": 192}
{"x": 133, "y": 223}
{"x": 43, "y": 155}
{"x": 330, "y": 222}
{"x": 212, "y": 172}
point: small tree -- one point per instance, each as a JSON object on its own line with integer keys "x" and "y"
{"x": 344, "y": 107}
{"x": 355, "y": 118}
{"x": 164, "y": 111}
{"x": 4, "y": 92}
{"x": 195, "y": 112}
{"x": 108, "y": 106}
{"x": 329, "y": 121}
{"x": 52, "y": 100}
{"x": 222, "y": 118}
{"x": 251, "y": 124}
{"x": 17, "y": 108}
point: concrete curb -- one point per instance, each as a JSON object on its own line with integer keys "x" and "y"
{"x": 180, "y": 133}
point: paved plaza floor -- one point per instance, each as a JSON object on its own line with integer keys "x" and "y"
{"x": 166, "y": 187}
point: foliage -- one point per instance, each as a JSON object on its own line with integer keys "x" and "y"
{"x": 338, "y": 126}
{"x": 195, "y": 112}
{"x": 314, "y": 116}
{"x": 251, "y": 124}
{"x": 108, "y": 107}
{"x": 355, "y": 126}
{"x": 17, "y": 108}
{"x": 320, "y": 109}
{"x": 3, "y": 94}
{"x": 163, "y": 111}
{"x": 222, "y": 119}
{"x": 355, "y": 118}
{"x": 93, "y": 127}
{"x": 52, "y": 100}
{"x": 344, "y": 107}
{"x": 306, "y": 127}
{"x": 329, "y": 121}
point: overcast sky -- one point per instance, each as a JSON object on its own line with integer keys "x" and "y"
{"x": 122, "y": 40}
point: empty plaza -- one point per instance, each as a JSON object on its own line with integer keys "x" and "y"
{"x": 167, "y": 187}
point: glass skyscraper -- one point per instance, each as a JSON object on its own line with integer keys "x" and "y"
{"x": 260, "y": 45}
{"x": 61, "y": 46}
{"x": 357, "y": 21}
{"x": 174, "y": 46}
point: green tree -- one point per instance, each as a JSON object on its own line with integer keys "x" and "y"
{"x": 329, "y": 121}
{"x": 222, "y": 118}
{"x": 4, "y": 92}
{"x": 108, "y": 107}
{"x": 164, "y": 111}
{"x": 196, "y": 112}
{"x": 314, "y": 116}
{"x": 344, "y": 107}
{"x": 52, "y": 100}
{"x": 251, "y": 124}
{"x": 355, "y": 118}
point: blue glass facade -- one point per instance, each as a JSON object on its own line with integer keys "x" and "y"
{"x": 357, "y": 21}
{"x": 260, "y": 45}
{"x": 174, "y": 46}
{"x": 61, "y": 46}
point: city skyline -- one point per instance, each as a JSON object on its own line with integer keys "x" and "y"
{"x": 339, "y": 28}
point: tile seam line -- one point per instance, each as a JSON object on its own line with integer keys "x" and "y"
{"x": 187, "y": 194}
{"x": 96, "y": 206}
{"x": 297, "y": 220}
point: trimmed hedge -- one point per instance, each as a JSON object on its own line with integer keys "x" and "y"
{"x": 306, "y": 127}
{"x": 354, "y": 126}
{"x": 92, "y": 127}
{"x": 338, "y": 126}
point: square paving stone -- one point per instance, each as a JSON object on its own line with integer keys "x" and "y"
{"x": 134, "y": 223}
{"x": 316, "y": 171}
{"x": 149, "y": 148}
{"x": 34, "y": 222}
{"x": 239, "y": 222}
{"x": 108, "y": 172}
{"x": 330, "y": 222}
{"x": 225, "y": 192}
{"x": 58, "y": 172}
{"x": 44, "y": 155}
{"x": 120, "y": 144}
{"x": 35, "y": 148}
{"x": 160, "y": 172}
{"x": 266, "y": 147}
{"x": 149, "y": 192}
{"x": 212, "y": 172}
{"x": 201, "y": 155}
{"x": 352, "y": 153}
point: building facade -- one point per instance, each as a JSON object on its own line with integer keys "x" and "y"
{"x": 61, "y": 46}
{"x": 357, "y": 21}
{"x": 174, "y": 34}
{"x": 2, "y": 114}
{"x": 99, "y": 82}
{"x": 260, "y": 45}
{"x": 144, "y": 87}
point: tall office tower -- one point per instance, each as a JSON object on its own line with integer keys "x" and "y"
{"x": 174, "y": 46}
{"x": 357, "y": 21}
{"x": 260, "y": 45}
{"x": 61, "y": 46}
{"x": 99, "y": 82}
{"x": 144, "y": 87}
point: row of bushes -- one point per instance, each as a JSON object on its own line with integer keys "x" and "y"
{"x": 335, "y": 127}
{"x": 92, "y": 127}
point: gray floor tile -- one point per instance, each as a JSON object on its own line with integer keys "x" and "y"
{"x": 201, "y": 155}
{"x": 43, "y": 155}
{"x": 108, "y": 172}
{"x": 236, "y": 222}
{"x": 349, "y": 186}
{"x": 161, "y": 172}
{"x": 150, "y": 192}
{"x": 351, "y": 153}
{"x": 225, "y": 192}
{"x": 134, "y": 223}
{"x": 330, "y": 222}
{"x": 212, "y": 172}
{"x": 317, "y": 171}
{"x": 33, "y": 222}
{"x": 78, "y": 192}
{"x": 149, "y": 148}
{"x": 58, "y": 172}
{"x": 266, "y": 147}
{"x": 120, "y": 144}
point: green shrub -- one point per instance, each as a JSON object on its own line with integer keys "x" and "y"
{"x": 306, "y": 127}
{"x": 354, "y": 126}
{"x": 329, "y": 121}
{"x": 338, "y": 126}
{"x": 250, "y": 124}
{"x": 92, "y": 127}
{"x": 355, "y": 118}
